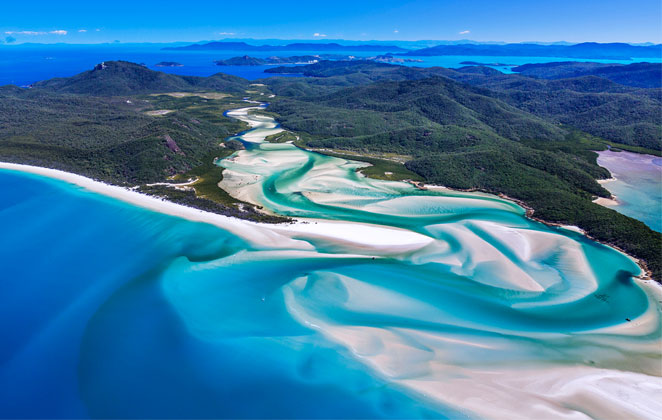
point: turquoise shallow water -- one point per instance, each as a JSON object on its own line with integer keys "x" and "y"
{"x": 437, "y": 308}
{"x": 637, "y": 185}
{"x": 88, "y": 328}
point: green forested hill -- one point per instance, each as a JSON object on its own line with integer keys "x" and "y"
{"x": 108, "y": 138}
{"x": 598, "y": 106}
{"x": 113, "y": 78}
{"x": 645, "y": 75}
{"x": 592, "y": 104}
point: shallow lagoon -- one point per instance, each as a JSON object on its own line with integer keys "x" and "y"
{"x": 637, "y": 185}
{"x": 390, "y": 302}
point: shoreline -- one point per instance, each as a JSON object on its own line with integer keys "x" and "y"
{"x": 129, "y": 195}
{"x": 375, "y": 240}
{"x": 272, "y": 234}
{"x": 646, "y": 274}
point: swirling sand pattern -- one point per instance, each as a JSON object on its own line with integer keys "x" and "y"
{"x": 387, "y": 302}
{"x": 492, "y": 306}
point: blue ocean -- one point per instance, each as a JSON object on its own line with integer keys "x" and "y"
{"x": 89, "y": 332}
{"x": 22, "y": 65}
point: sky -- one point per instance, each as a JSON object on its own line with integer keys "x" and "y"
{"x": 88, "y": 21}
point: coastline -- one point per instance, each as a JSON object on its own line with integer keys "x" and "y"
{"x": 372, "y": 239}
{"x": 645, "y": 275}
{"x": 272, "y": 235}
{"x": 603, "y": 201}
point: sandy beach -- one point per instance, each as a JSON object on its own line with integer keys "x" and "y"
{"x": 373, "y": 239}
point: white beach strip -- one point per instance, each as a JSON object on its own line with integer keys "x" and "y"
{"x": 606, "y": 201}
{"x": 604, "y": 181}
{"x": 254, "y": 232}
{"x": 381, "y": 239}
{"x": 359, "y": 235}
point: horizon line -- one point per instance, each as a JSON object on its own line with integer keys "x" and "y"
{"x": 329, "y": 40}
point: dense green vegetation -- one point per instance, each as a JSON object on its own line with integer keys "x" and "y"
{"x": 282, "y": 137}
{"x": 127, "y": 140}
{"x": 595, "y": 105}
{"x": 241, "y": 61}
{"x": 473, "y": 138}
{"x": 113, "y": 78}
{"x": 108, "y": 138}
{"x": 645, "y": 75}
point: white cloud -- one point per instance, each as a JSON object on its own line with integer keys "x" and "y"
{"x": 82, "y": 30}
{"x": 226, "y": 33}
{"x": 33, "y": 33}
{"x": 395, "y": 31}
{"x": 464, "y": 32}
{"x": 24, "y": 33}
{"x": 97, "y": 30}
{"x": 319, "y": 35}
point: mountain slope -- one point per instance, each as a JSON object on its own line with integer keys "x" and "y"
{"x": 124, "y": 78}
{"x": 644, "y": 75}
{"x": 437, "y": 102}
{"x": 596, "y": 105}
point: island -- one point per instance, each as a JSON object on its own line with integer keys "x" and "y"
{"x": 310, "y": 59}
{"x": 168, "y": 64}
{"x": 476, "y": 63}
{"x": 593, "y": 50}
{"x": 299, "y": 46}
{"x": 241, "y": 61}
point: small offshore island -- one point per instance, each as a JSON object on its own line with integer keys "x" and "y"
{"x": 309, "y": 59}
{"x": 168, "y": 64}
{"x": 430, "y": 237}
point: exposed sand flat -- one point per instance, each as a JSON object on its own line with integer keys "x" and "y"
{"x": 442, "y": 365}
{"x": 606, "y": 201}
{"x": 358, "y": 236}
{"x": 252, "y": 231}
{"x": 204, "y": 95}
{"x": 159, "y": 112}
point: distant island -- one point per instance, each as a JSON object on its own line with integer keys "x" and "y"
{"x": 254, "y": 61}
{"x": 477, "y": 63}
{"x": 241, "y": 61}
{"x": 591, "y": 50}
{"x": 168, "y": 64}
{"x": 388, "y": 58}
{"x": 300, "y": 46}
{"x": 308, "y": 59}
{"x": 614, "y": 51}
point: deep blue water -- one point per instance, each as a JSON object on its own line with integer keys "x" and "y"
{"x": 22, "y": 65}
{"x": 87, "y": 330}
